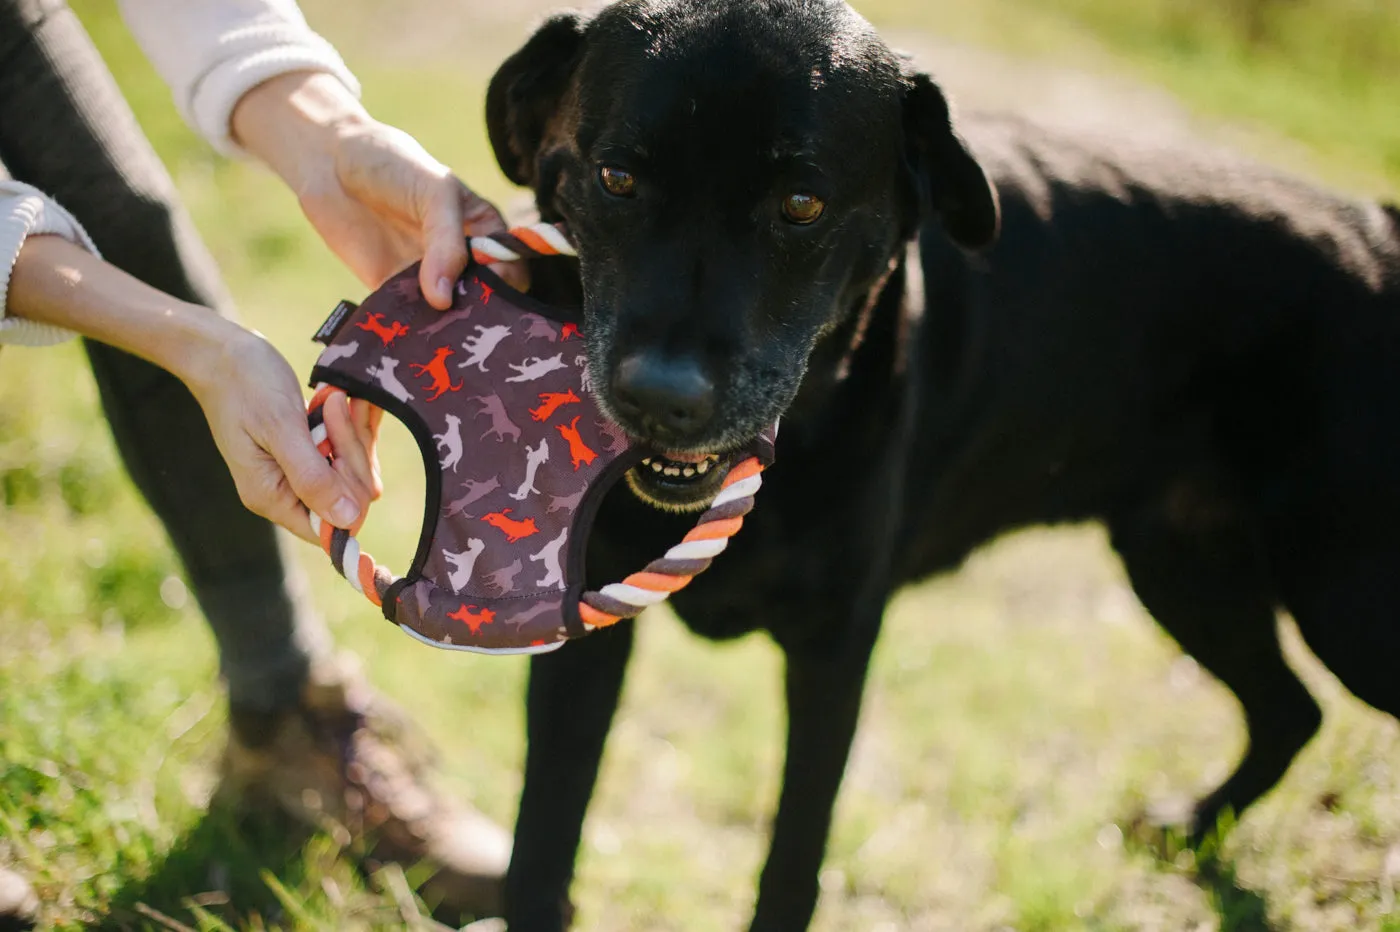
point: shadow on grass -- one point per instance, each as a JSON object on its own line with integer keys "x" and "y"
{"x": 261, "y": 870}
{"x": 217, "y": 876}
{"x": 1239, "y": 908}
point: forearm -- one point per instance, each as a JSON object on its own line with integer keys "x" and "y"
{"x": 293, "y": 121}
{"x": 58, "y": 282}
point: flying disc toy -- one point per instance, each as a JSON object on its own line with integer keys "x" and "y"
{"x": 518, "y": 455}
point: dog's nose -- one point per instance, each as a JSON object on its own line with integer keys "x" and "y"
{"x": 673, "y": 395}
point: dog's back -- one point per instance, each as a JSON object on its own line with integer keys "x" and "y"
{"x": 1153, "y": 326}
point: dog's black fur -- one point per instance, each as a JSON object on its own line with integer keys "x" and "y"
{"x": 1201, "y": 355}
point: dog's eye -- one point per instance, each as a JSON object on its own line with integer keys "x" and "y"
{"x": 803, "y": 208}
{"x": 617, "y": 182}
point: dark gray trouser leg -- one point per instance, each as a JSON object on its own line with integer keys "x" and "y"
{"x": 65, "y": 129}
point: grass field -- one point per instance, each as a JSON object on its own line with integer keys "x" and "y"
{"x": 1018, "y": 714}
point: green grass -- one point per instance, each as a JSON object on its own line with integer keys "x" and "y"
{"x": 1018, "y": 713}
{"x": 1323, "y": 73}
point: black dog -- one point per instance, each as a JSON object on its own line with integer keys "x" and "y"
{"x": 1203, "y": 356}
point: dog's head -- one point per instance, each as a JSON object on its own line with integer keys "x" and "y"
{"x": 738, "y": 175}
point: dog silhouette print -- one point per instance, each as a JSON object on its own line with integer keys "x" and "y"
{"x": 475, "y": 492}
{"x": 384, "y": 375}
{"x": 501, "y": 424}
{"x": 436, "y": 370}
{"x": 551, "y": 402}
{"x": 481, "y": 346}
{"x": 374, "y": 324}
{"x": 578, "y": 450}
{"x": 538, "y": 456}
{"x": 503, "y": 580}
{"x": 549, "y": 556}
{"x": 536, "y": 368}
{"x": 513, "y": 530}
{"x": 473, "y": 617}
{"x": 451, "y": 441}
{"x": 462, "y": 564}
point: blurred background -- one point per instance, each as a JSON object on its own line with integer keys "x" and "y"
{"x": 1020, "y": 712}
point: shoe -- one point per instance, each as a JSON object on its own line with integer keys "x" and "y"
{"x": 344, "y": 761}
{"x": 19, "y": 904}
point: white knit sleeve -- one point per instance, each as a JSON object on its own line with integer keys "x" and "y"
{"x": 212, "y": 52}
{"x": 24, "y": 212}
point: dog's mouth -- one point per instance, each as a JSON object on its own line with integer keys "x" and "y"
{"x": 680, "y": 481}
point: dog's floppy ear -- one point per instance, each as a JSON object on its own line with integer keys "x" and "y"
{"x": 948, "y": 177}
{"x": 526, "y": 91}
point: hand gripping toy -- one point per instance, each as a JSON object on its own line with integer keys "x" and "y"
{"x": 518, "y": 456}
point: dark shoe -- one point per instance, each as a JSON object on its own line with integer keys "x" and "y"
{"x": 341, "y": 762}
{"x": 19, "y": 904}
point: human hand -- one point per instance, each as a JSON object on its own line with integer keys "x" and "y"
{"x": 376, "y": 197}
{"x": 257, "y": 414}
{"x": 250, "y": 396}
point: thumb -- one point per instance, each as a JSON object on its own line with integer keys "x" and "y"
{"x": 313, "y": 481}
{"x": 445, "y": 250}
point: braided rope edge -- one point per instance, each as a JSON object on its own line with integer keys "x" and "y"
{"x": 369, "y": 578}
{"x": 683, "y": 562}
{"x": 527, "y": 242}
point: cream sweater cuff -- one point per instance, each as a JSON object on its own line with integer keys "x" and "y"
{"x": 24, "y": 212}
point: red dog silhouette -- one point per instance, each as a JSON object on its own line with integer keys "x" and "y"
{"x": 375, "y": 324}
{"x": 578, "y": 450}
{"x": 473, "y": 621}
{"x": 570, "y": 330}
{"x": 553, "y": 401}
{"x": 436, "y": 369}
{"x": 514, "y": 530}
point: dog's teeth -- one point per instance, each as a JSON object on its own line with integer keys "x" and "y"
{"x": 688, "y": 472}
{"x": 703, "y": 467}
{"x": 656, "y": 467}
{"x": 647, "y": 461}
{"x": 672, "y": 471}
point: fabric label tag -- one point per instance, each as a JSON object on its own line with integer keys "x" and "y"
{"x": 334, "y": 322}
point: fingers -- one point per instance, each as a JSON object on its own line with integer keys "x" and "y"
{"x": 292, "y": 515}
{"x": 351, "y": 457}
{"x": 392, "y": 203}
{"x": 262, "y": 485}
{"x": 366, "y": 419}
{"x": 445, "y": 251}
{"x": 314, "y": 482}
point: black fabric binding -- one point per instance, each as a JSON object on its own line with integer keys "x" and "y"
{"x": 427, "y": 448}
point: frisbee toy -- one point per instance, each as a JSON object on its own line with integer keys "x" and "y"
{"x": 518, "y": 456}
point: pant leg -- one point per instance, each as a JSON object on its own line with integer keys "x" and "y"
{"x": 65, "y": 129}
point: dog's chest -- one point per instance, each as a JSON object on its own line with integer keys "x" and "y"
{"x": 793, "y": 569}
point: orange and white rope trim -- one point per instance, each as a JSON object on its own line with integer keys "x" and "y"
{"x": 682, "y": 562}
{"x": 369, "y": 578}
{"x": 527, "y": 242}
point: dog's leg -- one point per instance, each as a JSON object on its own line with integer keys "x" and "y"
{"x": 1347, "y": 605}
{"x": 1208, "y": 595}
{"x": 824, "y": 684}
{"x": 572, "y": 695}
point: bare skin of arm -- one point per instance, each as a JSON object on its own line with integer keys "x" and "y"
{"x": 249, "y": 393}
